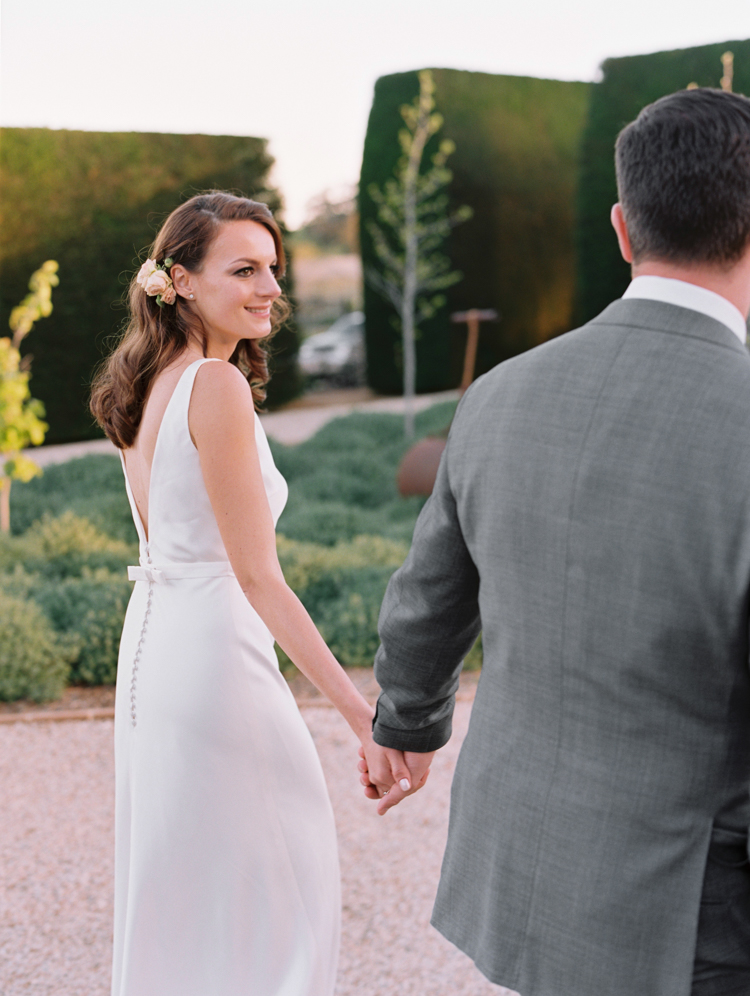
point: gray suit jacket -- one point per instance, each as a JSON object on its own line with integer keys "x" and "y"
{"x": 592, "y": 509}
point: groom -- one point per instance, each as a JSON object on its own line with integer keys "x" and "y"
{"x": 592, "y": 515}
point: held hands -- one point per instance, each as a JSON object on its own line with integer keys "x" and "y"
{"x": 390, "y": 775}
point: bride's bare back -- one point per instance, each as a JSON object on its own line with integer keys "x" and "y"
{"x": 140, "y": 456}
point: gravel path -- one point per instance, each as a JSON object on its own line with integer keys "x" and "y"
{"x": 56, "y": 843}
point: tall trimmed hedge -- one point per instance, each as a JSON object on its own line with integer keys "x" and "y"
{"x": 628, "y": 84}
{"x": 94, "y": 201}
{"x": 517, "y": 142}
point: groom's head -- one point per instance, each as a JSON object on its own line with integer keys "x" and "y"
{"x": 683, "y": 178}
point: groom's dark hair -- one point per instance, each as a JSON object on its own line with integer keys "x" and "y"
{"x": 683, "y": 177}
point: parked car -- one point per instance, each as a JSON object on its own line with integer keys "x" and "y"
{"x": 338, "y": 354}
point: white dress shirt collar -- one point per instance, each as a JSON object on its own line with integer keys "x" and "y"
{"x": 686, "y": 295}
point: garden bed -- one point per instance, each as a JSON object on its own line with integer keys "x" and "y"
{"x": 63, "y": 571}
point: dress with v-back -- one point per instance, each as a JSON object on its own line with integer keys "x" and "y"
{"x": 226, "y": 865}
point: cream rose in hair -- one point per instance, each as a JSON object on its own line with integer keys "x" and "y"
{"x": 157, "y": 283}
{"x": 145, "y": 272}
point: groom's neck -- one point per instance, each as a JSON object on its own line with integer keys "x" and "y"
{"x": 732, "y": 283}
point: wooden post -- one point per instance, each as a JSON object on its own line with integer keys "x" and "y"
{"x": 472, "y": 317}
{"x": 727, "y": 64}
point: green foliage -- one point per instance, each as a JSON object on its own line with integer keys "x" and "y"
{"x": 91, "y": 609}
{"x": 342, "y": 482}
{"x": 94, "y": 201}
{"x": 76, "y": 575}
{"x": 92, "y": 487}
{"x": 627, "y": 85}
{"x": 66, "y": 546}
{"x": 342, "y": 588}
{"x": 34, "y": 663}
{"x": 413, "y": 222}
{"x": 21, "y": 415}
{"x": 338, "y": 546}
{"x": 517, "y": 143}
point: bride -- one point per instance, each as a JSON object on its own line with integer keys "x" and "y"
{"x": 226, "y": 866}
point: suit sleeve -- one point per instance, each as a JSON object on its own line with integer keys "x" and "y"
{"x": 428, "y": 622}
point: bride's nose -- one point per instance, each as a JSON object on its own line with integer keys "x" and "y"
{"x": 268, "y": 286}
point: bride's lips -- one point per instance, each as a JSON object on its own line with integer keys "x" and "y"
{"x": 260, "y": 312}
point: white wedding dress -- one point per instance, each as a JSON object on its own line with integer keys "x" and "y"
{"x": 226, "y": 867}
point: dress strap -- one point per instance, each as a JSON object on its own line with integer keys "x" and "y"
{"x": 179, "y": 403}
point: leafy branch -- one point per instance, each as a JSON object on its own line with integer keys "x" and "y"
{"x": 413, "y": 222}
{"x": 21, "y": 415}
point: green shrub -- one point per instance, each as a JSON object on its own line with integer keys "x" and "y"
{"x": 76, "y": 575}
{"x": 343, "y": 480}
{"x": 347, "y": 615}
{"x": 91, "y": 609}
{"x": 34, "y": 662}
{"x": 342, "y": 587}
{"x": 66, "y": 546}
{"x": 304, "y": 564}
{"x": 91, "y": 486}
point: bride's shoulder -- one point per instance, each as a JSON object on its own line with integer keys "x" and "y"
{"x": 221, "y": 393}
{"x": 219, "y": 380}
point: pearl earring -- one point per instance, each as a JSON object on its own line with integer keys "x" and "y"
{"x": 191, "y": 297}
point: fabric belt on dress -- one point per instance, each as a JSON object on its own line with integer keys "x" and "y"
{"x": 176, "y": 572}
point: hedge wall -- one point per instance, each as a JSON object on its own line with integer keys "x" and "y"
{"x": 629, "y": 84}
{"x": 93, "y": 201}
{"x": 517, "y": 142}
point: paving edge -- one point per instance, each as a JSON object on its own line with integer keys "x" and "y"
{"x": 67, "y": 715}
{"x": 56, "y": 715}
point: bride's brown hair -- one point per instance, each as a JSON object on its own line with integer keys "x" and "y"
{"x": 156, "y": 335}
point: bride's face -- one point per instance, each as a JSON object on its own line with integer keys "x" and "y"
{"x": 236, "y": 286}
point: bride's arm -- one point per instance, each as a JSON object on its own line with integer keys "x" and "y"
{"x": 222, "y": 426}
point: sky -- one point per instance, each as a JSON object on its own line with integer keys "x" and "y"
{"x": 301, "y": 74}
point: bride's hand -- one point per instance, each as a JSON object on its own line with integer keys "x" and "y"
{"x": 382, "y": 768}
{"x": 415, "y": 765}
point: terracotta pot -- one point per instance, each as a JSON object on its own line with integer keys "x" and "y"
{"x": 419, "y": 466}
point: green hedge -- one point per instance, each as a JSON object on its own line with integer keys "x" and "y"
{"x": 74, "y": 538}
{"x": 517, "y": 142}
{"x": 93, "y": 201}
{"x": 65, "y": 581}
{"x": 34, "y": 664}
{"x": 628, "y": 84}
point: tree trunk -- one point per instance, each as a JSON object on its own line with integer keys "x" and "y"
{"x": 5, "y": 483}
{"x": 411, "y": 255}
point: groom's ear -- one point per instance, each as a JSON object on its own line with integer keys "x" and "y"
{"x": 621, "y": 230}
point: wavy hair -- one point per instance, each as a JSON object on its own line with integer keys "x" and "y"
{"x": 155, "y": 336}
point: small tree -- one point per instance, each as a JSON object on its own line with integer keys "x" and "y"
{"x": 20, "y": 414}
{"x": 414, "y": 221}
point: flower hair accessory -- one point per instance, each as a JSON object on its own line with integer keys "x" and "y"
{"x": 156, "y": 282}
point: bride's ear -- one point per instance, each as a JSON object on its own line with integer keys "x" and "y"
{"x": 181, "y": 279}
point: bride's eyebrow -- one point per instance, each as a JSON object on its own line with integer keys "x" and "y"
{"x": 252, "y": 262}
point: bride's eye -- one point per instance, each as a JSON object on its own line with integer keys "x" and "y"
{"x": 245, "y": 271}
